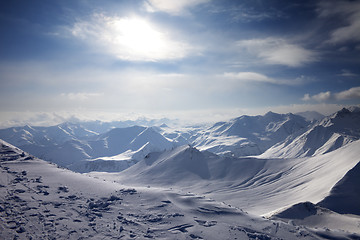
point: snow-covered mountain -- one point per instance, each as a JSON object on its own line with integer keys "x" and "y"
{"x": 45, "y": 136}
{"x": 75, "y": 147}
{"x": 249, "y": 135}
{"x": 272, "y": 135}
{"x": 324, "y": 136}
{"x": 316, "y": 190}
{"x": 103, "y": 127}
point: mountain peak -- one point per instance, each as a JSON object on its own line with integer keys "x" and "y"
{"x": 271, "y": 114}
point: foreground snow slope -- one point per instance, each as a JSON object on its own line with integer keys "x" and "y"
{"x": 255, "y": 185}
{"x": 41, "y": 201}
{"x": 310, "y": 215}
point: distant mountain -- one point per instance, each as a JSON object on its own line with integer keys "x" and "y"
{"x": 249, "y": 135}
{"x": 121, "y": 148}
{"x": 103, "y": 127}
{"x": 73, "y": 145}
{"x": 45, "y": 136}
{"x": 327, "y": 135}
{"x": 270, "y": 136}
{"x": 311, "y": 115}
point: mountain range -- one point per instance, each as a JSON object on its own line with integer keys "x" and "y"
{"x": 78, "y": 146}
{"x": 276, "y": 176}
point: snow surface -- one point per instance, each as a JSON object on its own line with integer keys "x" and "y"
{"x": 256, "y": 185}
{"x": 310, "y": 215}
{"x": 41, "y": 201}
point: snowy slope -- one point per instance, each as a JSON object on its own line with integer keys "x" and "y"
{"x": 345, "y": 195}
{"x": 249, "y": 135}
{"x": 40, "y": 201}
{"x": 313, "y": 216}
{"x": 255, "y": 185}
{"x": 325, "y": 136}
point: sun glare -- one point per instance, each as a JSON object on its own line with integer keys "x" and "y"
{"x": 136, "y": 37}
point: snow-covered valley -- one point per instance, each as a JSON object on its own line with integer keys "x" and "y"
{"x": 276, "y": 176}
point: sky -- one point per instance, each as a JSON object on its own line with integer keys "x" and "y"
{"x": 198, "y": 60}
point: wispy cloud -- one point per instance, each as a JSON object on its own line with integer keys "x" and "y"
{"x": 129, "y": 38}
{"x": 81, "y": 96}
{"x": 347, "y": 73}
{"x": 349, "y": 13}
{"x": 350, "y": 94}
{"x": 241, "y": 12}
{"x": 278, "y": 51}
{"x": 178, "y": 7}
{"x": 258, "y": 77}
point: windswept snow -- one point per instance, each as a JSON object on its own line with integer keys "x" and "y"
{"x": 255, "y": 185}
{"x": 310, "y": 215}
{"x": 41, "y": 201}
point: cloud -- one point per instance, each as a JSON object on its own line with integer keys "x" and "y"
{"x": 129, "y": 38}
{"x": 177, "y": 7}
{"x": 350, "y": 94}
{"x": 258, "y": 77}
{"x": 81, "y": 96}
{"x": 278, "y": 51}
{"x": 323, "y": 96}
{"x": 347, "y": 73}
{"x": 346, "y": 11}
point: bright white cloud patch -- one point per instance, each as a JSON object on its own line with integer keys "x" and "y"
{"x": 132, "y": 39}
{"x": 350, "y": 94}
{"x": 323, "y": 96}
{"x": 349, "y": 11}
{"x": 278, "y": 51}
{"x": 177, "y": 7}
